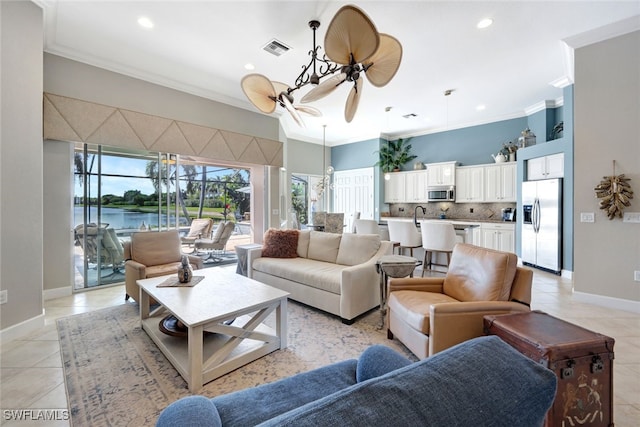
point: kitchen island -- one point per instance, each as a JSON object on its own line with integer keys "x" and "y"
{"x": 493, "y": 234}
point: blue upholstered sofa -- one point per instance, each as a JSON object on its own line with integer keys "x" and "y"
{"x": 481, "y": 382}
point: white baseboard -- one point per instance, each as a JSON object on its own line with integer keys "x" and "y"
{"x": 64, "y": 291}
{"x": 608, "y": 302}
{"x": 21, "y": 329}
{"x": 567, "y": 274}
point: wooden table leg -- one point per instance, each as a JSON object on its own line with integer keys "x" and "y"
{"x": 195, "y": 345}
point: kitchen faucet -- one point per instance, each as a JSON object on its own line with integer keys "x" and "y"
{"x": 415, "y": 214}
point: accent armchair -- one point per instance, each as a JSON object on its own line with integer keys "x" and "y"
{"x": 430, "y": 314}
{"x": 153, "y": 254}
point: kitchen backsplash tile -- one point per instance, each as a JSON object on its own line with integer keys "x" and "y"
{"x": 481, "y": 211}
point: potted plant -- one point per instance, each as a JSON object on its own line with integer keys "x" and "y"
{"x": 394, "y": 154}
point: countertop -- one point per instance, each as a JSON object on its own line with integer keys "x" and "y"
{"x": 454, "y": 221}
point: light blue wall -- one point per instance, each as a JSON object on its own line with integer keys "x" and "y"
{"x": 469, "y": 146}
{"x": 474, "y": 145}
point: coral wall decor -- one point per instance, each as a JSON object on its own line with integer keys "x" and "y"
{"x": 614, "y": 193}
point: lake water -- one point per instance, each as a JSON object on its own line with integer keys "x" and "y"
{"x": 123, "y": 219}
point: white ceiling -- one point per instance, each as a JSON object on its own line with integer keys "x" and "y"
{"x": 201, "y": 47}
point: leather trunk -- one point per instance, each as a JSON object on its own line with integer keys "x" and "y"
{"x": 581, "y": 359}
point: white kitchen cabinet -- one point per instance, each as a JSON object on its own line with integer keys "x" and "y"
{"x": 416, "y": 186}
{"x": 498, "y": 236}
{"x": 394, "y": 187}
{"x": 545, "y": 167}
{"x": 470, "y": 184}
{"x": 441, "y": 173}
{"x": 500, "y": 182}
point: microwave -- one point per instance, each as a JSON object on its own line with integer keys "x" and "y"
{"x": 441, "y": 194}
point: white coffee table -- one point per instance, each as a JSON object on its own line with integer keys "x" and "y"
{"x": 221, "y": 295}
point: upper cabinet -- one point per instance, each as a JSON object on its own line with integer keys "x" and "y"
{"x": 416, "y": 186}
{"x": 394, "y": 187}
{"x": 500, "y": 182}
{"x": 470, "y": 184}
{"x": 546, "y": 167}
{"x": 441, "y": 173}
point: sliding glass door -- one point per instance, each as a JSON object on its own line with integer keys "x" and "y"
{"x": 118, "y": 192}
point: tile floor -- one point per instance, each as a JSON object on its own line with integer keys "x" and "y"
{"x": 31, "y": 371}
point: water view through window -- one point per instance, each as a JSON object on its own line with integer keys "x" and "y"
{"x": 119, "y": 192}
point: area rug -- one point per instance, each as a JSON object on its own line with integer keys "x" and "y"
{"x": 116, "y": 376}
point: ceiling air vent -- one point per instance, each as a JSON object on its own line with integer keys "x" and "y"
{"x": 276, "y": 47}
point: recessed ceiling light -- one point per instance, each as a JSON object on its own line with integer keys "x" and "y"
{"x": 481, "y": 107}
{"x": 145, "y": 22}
{"x": 486, "y": 22}
{"x": 249, "y": 66}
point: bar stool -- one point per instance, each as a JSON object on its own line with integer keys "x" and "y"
{"x": 437, "y": 236}
{"x": 366, "y": 226}
{"x": 406, "y": 233}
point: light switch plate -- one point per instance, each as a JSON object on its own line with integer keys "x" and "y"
{"x": 587, "y": 217}
{"x": 631, "y": 217}
{"x": 4, "y": 297}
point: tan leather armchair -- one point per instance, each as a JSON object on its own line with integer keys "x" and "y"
{"x": 430, "y": 314}
{"x": 153, "y": 254}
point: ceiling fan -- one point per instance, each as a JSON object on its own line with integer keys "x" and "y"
{"x": 353, "y": 45}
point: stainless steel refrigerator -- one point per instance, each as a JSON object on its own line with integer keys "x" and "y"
{"x": 542, "y": 224}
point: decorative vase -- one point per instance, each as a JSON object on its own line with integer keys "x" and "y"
{"x": 184, "y": 271}
{"x": 443, "y": 216}
{"x": 512, "y": 157}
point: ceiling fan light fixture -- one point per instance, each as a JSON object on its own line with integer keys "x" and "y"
{"x": 351, "y": 39}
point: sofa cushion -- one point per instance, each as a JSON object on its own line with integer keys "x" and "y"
{"x": 199, "y": 228}
{"x": 324, "y": 246}
{"x": 280, "y": 243}
{"x": 155, "y": 248}
{"x": 357, "y": 248}
{"x": 471, "y": 384}
{"x": 249, "y": 407}
{"x": 162, "y": 269}
{"x": 414, "y": 307}
{"x": 378, "y": 360}
{"x": 303, "y": 243}
{"x": 480, "y": 274}
{"x": 318, "y": 274}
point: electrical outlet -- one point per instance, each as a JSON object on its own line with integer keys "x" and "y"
{"x": 587, "y": 217}
{"x": 4, "y": 296}
{"x": 631, "y": 217}
{"x": 636, "y": 276}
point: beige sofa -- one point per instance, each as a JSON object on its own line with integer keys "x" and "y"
{"x": 333, "y": 272}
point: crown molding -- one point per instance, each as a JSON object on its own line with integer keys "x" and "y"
{"x": 604, "y": 33}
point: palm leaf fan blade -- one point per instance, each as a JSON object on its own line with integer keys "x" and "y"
{"x": 352, "y": 101}
{"x": 260, "y": 92}
{"x": 324, "y": 88}
{"x": 350, "y": 32}
{"x": 292, "y": 111}
{"x": 383, "y": 65}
